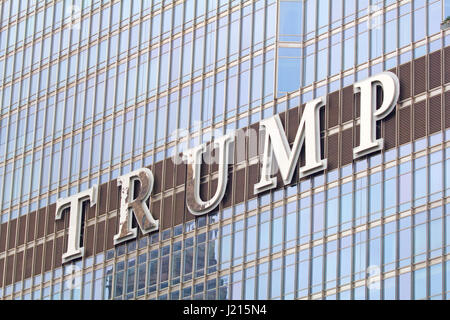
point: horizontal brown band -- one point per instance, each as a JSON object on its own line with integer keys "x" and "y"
{"x": 417, "y": 120}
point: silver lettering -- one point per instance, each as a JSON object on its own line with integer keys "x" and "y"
{"x": 137, "y": 206}
{"x": 75, "y": 202}
{"x": 194, "y": 159}
{"x": 369, "y": 113}
{"x": 276, "y": 144}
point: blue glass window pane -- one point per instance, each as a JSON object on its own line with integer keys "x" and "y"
{"x": 349, "y": 53}
{"x": 420, "y": 284}
{"x": 405, "y": 30}
{"x": 262, "y": 287}
{"x": 323, "y": 12}
{"x": 436, "y": 281}
{"x": 389, "y": 288}
{"x": 446, "y": 8}
{"x": 405, "y": 286}
{"x": 310, "y": 15}
{"x": 289, "y": 70}
{"x": 290, "y": 27}
{"x": 303, "y": 276}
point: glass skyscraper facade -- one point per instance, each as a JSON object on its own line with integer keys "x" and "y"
{"x": 91, "y": 90}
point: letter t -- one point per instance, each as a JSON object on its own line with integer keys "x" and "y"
{"x": 75, "y": 203}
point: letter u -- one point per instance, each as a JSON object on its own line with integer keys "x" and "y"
{"x": 194, "y": 160}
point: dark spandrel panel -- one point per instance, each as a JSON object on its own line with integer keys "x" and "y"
{"x": 136, "y": 189}
{"x": 31, "y": 225}
{"x": 2, "y": 269}
{"x": 111, "y": 232}
{"x": 447, "y": 109}
{"x": 60, "y": 224}
{"x": 179, "y": 208}
{"x": 29, "y": 262}
{"x": 48, "y": 255}
{"x": 227, "y": 199}
{"x": 157, "y": 173}
{"x": 253, "y": 176}
{"x": 322, "y": 120}
{"x": 168, "y": 179}
{"x": 113, "y": 195}
{"x": 404, "y": 135}
{"x": 100, "y": 237}
{"x": 347, "y": 104}
{"x": 357, "y": 104}
{"x": 41, "y": 222}
{"x": 181, "y": 174}
{"x": 434, "y": 114}
{"x": 434, "y": 70}
{"x": 38, "y": 257}
{"x": 346, "y": 146}
{"x": 283, "y": 119}
{"x": 12, "y": 233}
{"x": 88, "y": 241}
{"x": 333, "y": 151}
{"x": 405, "y": 81}
{"x": 21, "y": 233}
{"x": 155, "y": 209}
{"x": 446, "y": 64}
{"x": 293, "y": 122}
{"x": 51, "y": 220}
{"x": 239, "y": 191}
{"x": 420, "y": 115}
{"x": 59, "y": 242}
{"x": 379, "y": 97}
{"x": 166, "y": 217}
{"x": 356, "y": 136}
{"x": 390, "y": 130}
{"x": 18, "y": 267}
{"x": 188, "y": 216}
{"x": 204, "y": 191}
{"x": 420, "y": 72}
{"x": 333, "y": 109}
{"x": 66, "y": 218}
{"x": 91, "y": 211}
{"x": 3, "y": 234}
{"x": 9, "y": 271}
{"x": 101, "y": 201}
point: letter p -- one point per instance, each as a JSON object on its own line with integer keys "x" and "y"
{"x": 369, "y": 112}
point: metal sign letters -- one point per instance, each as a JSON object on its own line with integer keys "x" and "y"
{"x": 275, "y": 144}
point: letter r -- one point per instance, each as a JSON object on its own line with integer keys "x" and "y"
{"x": 128, "y": 205}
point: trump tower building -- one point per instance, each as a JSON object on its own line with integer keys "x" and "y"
{"x": 224, "y": 149}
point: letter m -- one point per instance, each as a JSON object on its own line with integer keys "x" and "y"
{"x": 276, "y": 144}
